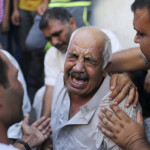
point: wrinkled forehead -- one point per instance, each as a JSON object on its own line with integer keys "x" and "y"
{"x": 86, "y": 40}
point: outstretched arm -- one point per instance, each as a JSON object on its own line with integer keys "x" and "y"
{"x": 128, "y": 60}
{"x": 125, "y": 132}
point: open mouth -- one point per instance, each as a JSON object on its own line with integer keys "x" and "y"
{"x": 78, "y": 83}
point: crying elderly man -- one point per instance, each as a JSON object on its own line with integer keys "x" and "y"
{"x": 81, "y": 91}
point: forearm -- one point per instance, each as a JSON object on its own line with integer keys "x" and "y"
{"x": 21, "y": 146}
{"x": 46, "y": 109}
{"x": 6, "y": 9}
{"x": 140, "y": 144}
{"x": 128, "y": 60}
{"x": 46, "y": 1}
{"x": 15, "y": 5}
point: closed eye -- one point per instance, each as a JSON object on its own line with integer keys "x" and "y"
{"x": 90, "y": 60}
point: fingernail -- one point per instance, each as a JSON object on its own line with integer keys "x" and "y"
{"x": 110, "y": 98}
{"x": 100, "y": 115}
{"x": 134, "y": 105}
{"x": 115, "y": 103}
{"x": 112, "y": 87}
{"x": 103, "y": 109}
{"x": 127, "y": 105}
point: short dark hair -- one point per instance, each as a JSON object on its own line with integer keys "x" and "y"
{"x": 55, "y": 13}
{"x": 3, "y": 73}
{"x": 139, "y": 4}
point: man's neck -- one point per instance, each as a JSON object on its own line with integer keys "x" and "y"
{"x": 3, "y": 135}
{"x": 75, "y": 103}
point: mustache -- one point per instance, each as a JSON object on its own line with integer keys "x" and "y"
{"x": 80, "y": 75}
{"x": 59, "y": 45}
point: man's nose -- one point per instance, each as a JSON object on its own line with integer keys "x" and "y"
{"x": 79, "y": 66}
{"x": 54, "y": 41}
{"x": 137, "y": 38}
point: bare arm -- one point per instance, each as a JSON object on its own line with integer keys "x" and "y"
{"x": 5, "y": 22}
{"x": 46, "y": 109}
{"x": 128, "y": 60}
{"x": 15, "y": 14}
{"x": 42, "y": 8}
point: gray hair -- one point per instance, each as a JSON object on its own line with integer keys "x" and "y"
{"x": 107, "y": 53}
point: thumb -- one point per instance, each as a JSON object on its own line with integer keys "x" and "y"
{"x": 139, "y": 118}
{"x": 26, "y": 120}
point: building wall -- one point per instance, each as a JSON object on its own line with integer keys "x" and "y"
{"x": 115, "y": 15}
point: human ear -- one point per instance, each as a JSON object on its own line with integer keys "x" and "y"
{"x": 72, "y": 23}
{"x": 105, "y": 71}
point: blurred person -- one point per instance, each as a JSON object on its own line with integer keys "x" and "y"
{"x": 11, "y": 110}
{"x": 14, "y": 131}
{"x": 79, "y": 9}
{"x": 30, "y": 62}
{"x": 132, "y": 59}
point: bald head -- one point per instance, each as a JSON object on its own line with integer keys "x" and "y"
{"x": 92, "y": 38}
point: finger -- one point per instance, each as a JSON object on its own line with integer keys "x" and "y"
{"x": 113, "y": 81}
{"x": 44, "y": 124}
{"x": 106, "y": 121}
{"x": 105, "y": 131}
{"x": 119, "y": 113}
{"x": 48, "y": 134}
{"x": 26, "y": 119}
{"x": 121, "y": 93}
{"x": 115, "y": 92}
{"x": 38, "y": 122}
{"x": 139, "y": 118}
{"x": 46, "y": 129}
{"x": 130, "y": 98}
{"x": 111, "y": 120}
{"x": 136, "y": 99}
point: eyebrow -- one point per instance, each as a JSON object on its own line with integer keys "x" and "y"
{"x": 91, "y": 59}
{"x": 72, "y": 54}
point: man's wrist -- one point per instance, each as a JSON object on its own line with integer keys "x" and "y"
{"x": 138, "y": 144}
{"x": 22, "y": 145}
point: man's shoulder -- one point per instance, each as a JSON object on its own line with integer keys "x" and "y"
{"x": 54, "y": 53}
{"x": 130, "y": 111}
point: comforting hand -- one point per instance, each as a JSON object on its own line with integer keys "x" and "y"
{"x": 15, "y": 18}
{"x": 37, "y": 133}
{"x": 121, "y": 86}
{"x": 147, "y": 82}
{"x": 120, "y": 128}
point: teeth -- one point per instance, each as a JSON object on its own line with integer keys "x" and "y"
{"x": 78, "y": 81}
